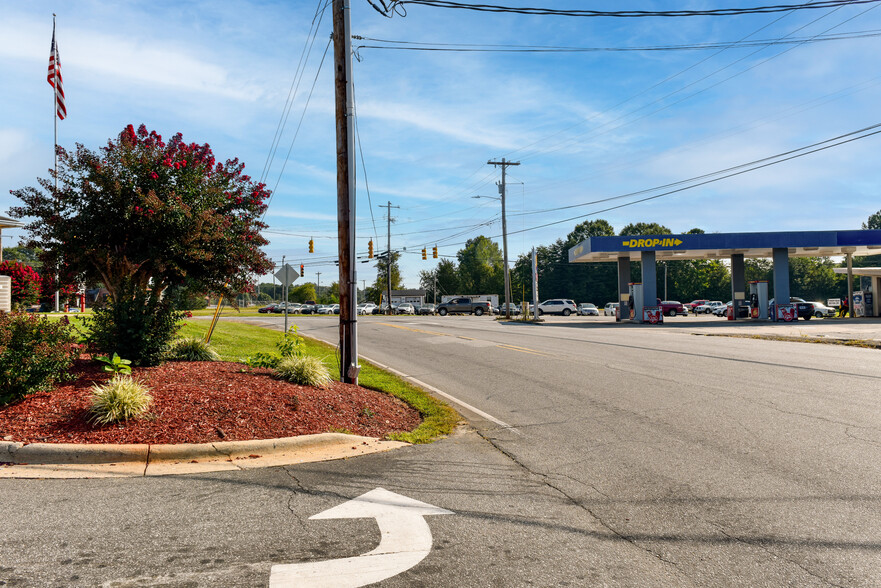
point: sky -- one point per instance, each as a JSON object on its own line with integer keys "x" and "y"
{"x": 585, "y": 126}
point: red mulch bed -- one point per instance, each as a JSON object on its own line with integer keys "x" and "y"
{"x": 199, "y": 402}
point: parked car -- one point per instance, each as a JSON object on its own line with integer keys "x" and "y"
{"x": 610, "y": 308}
{"x": 405, "y": 308}
{"x": 426, "y": 309}
{"x": 267, "y": 308}
{"x": 500, "y": 309}
{"x": 742, "y": 309}
{"x": 557, "y": 306}
{"x": 694, "y": 304}
{"x": 335, "y": 308}
{"x": 822, "y": 311}
{"x": 383, "y": 309}
{"x": 588, "y": 309}
{"x": 804, "y": 309}
{"x": 325, "y": 309}
{"x": 672, "y": 307}
{"x": 708, "y": 307}
{"x": 292, "y": 308}
{"x": 366, "y": 308}
{"x": 464, "y": 305}
{"x": 308, "y": 309}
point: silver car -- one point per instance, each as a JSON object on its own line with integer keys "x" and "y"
{"x": 588, "y": 309}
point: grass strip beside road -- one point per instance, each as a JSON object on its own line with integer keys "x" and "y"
{"x": 865, "y": 343}
{"x": 236, "y": 341}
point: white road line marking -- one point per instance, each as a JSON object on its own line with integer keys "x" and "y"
{"x": 449, "y": 397}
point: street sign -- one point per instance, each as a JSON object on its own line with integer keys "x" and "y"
{"x": 406, "y": 540}
{"x": 286, "y": 275}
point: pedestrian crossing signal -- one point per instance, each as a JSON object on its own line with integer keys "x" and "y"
{"x": 434, "y": 252}
{"x": 424, "y": 256}
{"x": 311, "y": 246}
{"x": 370, "y": 249}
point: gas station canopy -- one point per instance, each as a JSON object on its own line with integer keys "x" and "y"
{"x": 724, "y": 245}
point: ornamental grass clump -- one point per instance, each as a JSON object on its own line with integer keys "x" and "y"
{"x": 191, "y": 349}
{"x": 306, "y": 371}
{"x": 122, "y": 398}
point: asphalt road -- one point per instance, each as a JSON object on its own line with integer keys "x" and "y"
{"x": 602, "y": 455}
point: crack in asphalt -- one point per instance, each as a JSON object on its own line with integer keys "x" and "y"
{"x": 546, "y": 480}
{"x": 857, "y": 437}
{"x": 767, "y": 550}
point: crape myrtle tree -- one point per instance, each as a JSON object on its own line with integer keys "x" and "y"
{"x": 26, "y": 282}
{"x": 143, "y": 215}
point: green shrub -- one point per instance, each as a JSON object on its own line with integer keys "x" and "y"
{"x": 35, "y": 353}
{"x": 136, "y": 326}
{"x": 191, "y": 349}
{"x": 290, "y": 344}
{"x": 120, "y": 399}
{"x": 306, "y": 371}
{"x": 115, "y": 364}
{"x": 261, "y": 360}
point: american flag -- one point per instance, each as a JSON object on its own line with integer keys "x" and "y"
{"x": 54, "y": 78}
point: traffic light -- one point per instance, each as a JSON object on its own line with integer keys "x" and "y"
{"x": 370, "y": 249}
{"x": 302, "y": 270}
{"x": 434, "y": 252}
{"x": 424, "y": 255}
{"x": 311, "y": 246}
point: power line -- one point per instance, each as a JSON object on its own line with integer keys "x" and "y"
{"x": 766, "y": 162}
{"x": 299, "y": 124}
{"x": 480, "y": 48}
{"x": 626, "y": 13}
{"x": 702, "y": 90}
{"x": 294, "y": 89}
{"x": 711, "y": 174}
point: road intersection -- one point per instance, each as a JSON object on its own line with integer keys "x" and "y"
{"x": 606, "y": 456}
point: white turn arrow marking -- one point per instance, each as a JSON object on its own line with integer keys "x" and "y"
{"x": 406, "y": 540}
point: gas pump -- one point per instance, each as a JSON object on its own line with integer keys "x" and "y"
{"x": 635, "y": 302}
{"x": 758, "y": 300}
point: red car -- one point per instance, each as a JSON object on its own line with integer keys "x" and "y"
{"x": 671, "y": 307}
{"x": 694, "y": 304}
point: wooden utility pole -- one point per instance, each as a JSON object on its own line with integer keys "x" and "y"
{"x": 388, "y": 253}
{"x": 504, "y": 165}
{"x": 345, "y": 155}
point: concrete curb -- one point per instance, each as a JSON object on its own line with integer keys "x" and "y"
{"x": 67, "y": 460}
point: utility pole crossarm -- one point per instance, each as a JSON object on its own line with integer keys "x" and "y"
{"x": 502, "y": 191}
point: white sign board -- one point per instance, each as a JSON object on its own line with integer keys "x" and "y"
{"x": 5, "y": 293}
{"x": 286, "y": 275}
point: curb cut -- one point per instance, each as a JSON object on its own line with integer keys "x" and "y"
{"x": 68, "y": 460}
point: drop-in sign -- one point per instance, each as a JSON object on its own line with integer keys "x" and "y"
{"x": 406, "y": 540}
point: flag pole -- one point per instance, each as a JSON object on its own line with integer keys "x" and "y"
{"x": 55, "y": 154}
